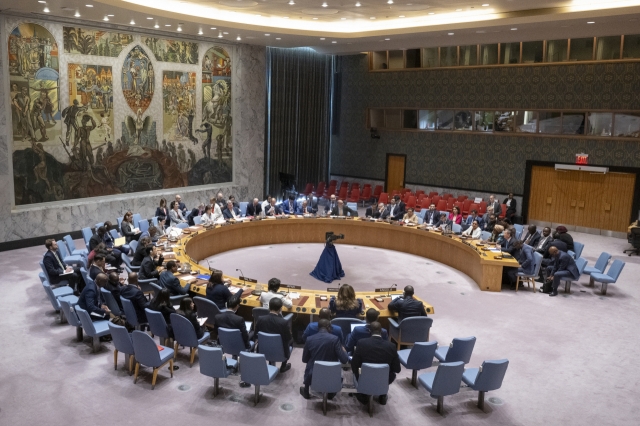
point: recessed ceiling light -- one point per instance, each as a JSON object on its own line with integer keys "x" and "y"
{"x": 278, "y": 38}
{"x": 458, "y": 10}
{"x": 132, "y": 22}
{"x": 334, "y": 42}
{"x": 156, "y": 26}
{"x": 315, "y": 18}
{"x": 89, "y": 5}
{"x": 389, "y": 1}
{"x": 591, "y": 22}
{"x": 77, "y": 14}
{"x": 321, "y": 38}
{"x": 267, "y": 35}
{"x": 451, "y": 33}
{"x": 180, "y": 29}
{"x": 358, "y": 4}
{"x": 45, "y": 10}
{"x": 167, "y": 25}
{"x": 200, "y": 32}
{"x": 219, "y": 35}
{"x": 111, "y": 15}
{"x": 238, "y": 38}
{"x": 387, "y": 39}
{"x": 431, "y": 13}
{"x": 225, "y": 33}
{"x": 41, "y": 1}
{"x": 514, "y": 29}
{"x": 325, "y": 4}
{"x": 291, "y": 2}
{"x": 485, "y": 5}
{"x": 106, "y": 18}
{"x": 149, "y": 18}
{"x": 213, "y": 28}
{"x": 373, "y": 17}
{"x": 343, "y": 19}
{"x": 401, "y": 16}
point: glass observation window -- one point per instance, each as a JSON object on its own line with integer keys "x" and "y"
{"x": 627, "y": 125}
{"x": 631, "y": 48}
{"x": 557, "y": 50}
{"x": 445, "y": 119}
{"x": 396, "y": 59}
{"x": 550, "y": 122}
{"x": 484, "y": 120}
{"x": 449, "y": 56}
{"x": 379, "y": 60}
{"x": 427, "y": 119}
{"x": 469, "y": 55}
{"x": 600, "y": 124}
{"x": 581, "y": 49}
{"x": 532, "y": 52}
{"x": 608, "y": 48}
{"x": 429, "y": 57}
{"x": 509, "y": 53}
{"x": 463, "y": 120}
{"x": 410, "y": 119}
{"x": 489, "y": 54}
{"x": 393, "y": 118}
{"x": 413, "y": 58}
{"x": 573, "y": 123}
{"x": 376, "y": 117}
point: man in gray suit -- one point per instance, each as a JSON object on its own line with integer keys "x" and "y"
{"x": 563, "y": 267}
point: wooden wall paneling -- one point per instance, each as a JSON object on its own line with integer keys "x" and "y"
{"x": 617, "y": 192}
{"x": 588, "y": 212}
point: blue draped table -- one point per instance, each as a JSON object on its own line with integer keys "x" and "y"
{"x": 329, "y": 267}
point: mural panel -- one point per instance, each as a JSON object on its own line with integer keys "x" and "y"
{"x": 138, "y": 80}
{"x": 86, "y": 41}
{"x": 180, "y": 52}
{"x": 179, "y": 109}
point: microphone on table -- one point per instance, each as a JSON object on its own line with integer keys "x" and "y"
{"x": 243, "y": 278}
{"x": 389, "y": 289}
{"x": 209, "y": 265}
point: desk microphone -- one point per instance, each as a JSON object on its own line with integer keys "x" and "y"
{"x": 243, "y": 278}
{"x": 389, "y": 289}
{"x": 209, "y": 265}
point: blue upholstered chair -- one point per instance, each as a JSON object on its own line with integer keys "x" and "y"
{"x": 85, "y": 276}
{"x": 62, "y": 283}
{"x": 444, "y": 381}
{"x": 486, "y": 378}
{"x": 326, "y": 379}
{"x": 213, "y": 364}
{"x": 599, "y": 267}
{"x": 353, "y": 206}
{"x": 98, "y": 225}
{"x": 182, "y": 225}
{"x": 136, "y": 220}
{"x": 243, "y": 208}
{"x": 530, "y": 279}
{"x": 114, "y": 233}
{"x": 577, "y": 249}
{"x": 133, "y": 245}
{"x": 197, "y": 220}
{"x": 580, "y": 264}
{"x": 610, "y": 277}
{"x": 127, "y": 263}
{"x": 58, "y": 294}
{"x": 232, "y": 344}
{"x": 486, "y": 235}
{"x": 158, "y": 326}
{"x": 207, "y": 309}
{"x": 71, "y": 246}
{"x": 419, "y": 357}
{"x": 373, "y": 380}
{"x": 184, "y": 334}
{"x": 456, "y": 228}
{"x": 69, "y": 259}
{"x": 345, "y": 325}
{"x": 519, "y": 228}
{"x": 120, "y": 219}
{"x": 147, "y": 353}
{"x": 271, "y": 346}
{"x": 110, "y": 301}
{"x": 256, "y": 371}
{"x": 121, "y": 343}
{"x": 87, "y": 233}
{"x": 154, "y": 220}
{"x": 460, "y": 350}
{"x": 72, "y": 318}
{"x": 410, "y": 330}
{"x": 130, "y": 313}
{"x": 93, "y": 329}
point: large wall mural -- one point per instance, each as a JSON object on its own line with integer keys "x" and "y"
{"x": 180, "y": 52}
{"x": 87, "y": 121}
{"x": 85, "y": 41}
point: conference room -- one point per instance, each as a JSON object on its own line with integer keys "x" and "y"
{"x": 319, "y": 211}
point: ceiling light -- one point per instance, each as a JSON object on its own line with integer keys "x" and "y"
{"x": 179, "y": 28}
{"x": 213, "y": 28}
{"x": 167, "y": 25}
{"x": 315, "y": 18}
{"x": 225, "y": 33}
{"x": 278, "y": 38}
{"x": 220, "y": 35}
{"x": 514, "y": 29}
{"x": 325, "y": 4}
{"x": 42, "y": 1}
{"x": 321, "y": 38}
{"x": 200, "y": 31}
{"x": 77, "y": 14}
{"x": 390, "y": 2}
{"x": 485, "y": 5}
{"x": 387, "y": 39}
{"x": 106, "y": 18}
{"x": 451, "y": 33}
{"x": 343, "y": 19}
{"x": 373, "y": 17}
{"x": 132, "y": 22}
{"x": 591, "y": 22}
{"x": 334, "y": 42}
{"x": 358, "y": 4}
{"x": 45, "y": 10}
{"x": 89, "y": 5}
{"x": 431, "y": 13}
{"x": 156, "y": 26}
{"x": 458, "y": 10}
{"x": 111, "y": 16}
{"x": 238, "y": 38}
{"x": 401, "y": 16}
{"x": 291, "y": 2}
{"x": 267, "y": 35}
{"x": 149, "y": 17}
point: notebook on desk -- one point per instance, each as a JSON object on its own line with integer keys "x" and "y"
{"x": 120, "y": 241}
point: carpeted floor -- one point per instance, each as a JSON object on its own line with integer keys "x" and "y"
{"x": 571, "y": 357}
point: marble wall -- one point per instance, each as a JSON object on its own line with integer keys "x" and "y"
{"x": 248, "y": 91}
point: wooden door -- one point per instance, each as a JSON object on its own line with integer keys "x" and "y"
{"x": 395, "y": 172}
{"x": 590, "y": 200}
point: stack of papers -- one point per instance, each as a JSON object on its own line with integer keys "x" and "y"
{"x": 248, "y": 324}
{"x": 294, "y": 296}
{"x": 188, "y": 278}
{"x": 202, "y": 320}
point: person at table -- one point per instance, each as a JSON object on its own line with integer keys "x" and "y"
{"x": 162, "y": 303}
{"x": 564, "y": 267}
{"x": 113, "y": 286}
{"x": 486, "y": 219}
{"x": 507, "y": 241}
{"x": 273, "y": 323}
{"x": 375, "y": 350}
{"x": 322, "y": 346}
{"x": 306, "y": 209}
{"x": 395, "y": 212}
{"x": 197, "y": 211}
{"x": 128, "y": 231}
{"x": 562, "y": 235}
{"x": 455, "y": 216}
{"x": 175, "y": 214}
{"x": 229, "y": 319}
{"x": 374, "y": 211}
{"x": 333, "y": 203}
{"x": 181, "y": 206}
{"x": 161, "y": 211}
{"x": 187, "y": 310}
{"x": 91, "y": 299}
{"x": 342, "y": 210}
{"x": 443, "y": 223}
{"x": 220, "y": 200}
{"x": 511, "y": 203}
{"x": 473, "y": 231}
{"x": 312, "y": 328}
{"x": 524, "y": 255}
{"x": 495, "y": 236}
{"x": 216, "y": 212}
{"x": 169, "y": 281}
{"x": 132, "y": 292}
{"x": 545, "y": 241}
{"x": 140, "y": 253}
{"x": 402, "y": 207}
{"x": 149, "y": 265}
{"x": 98, "y": 266}
{"x": 407, "y": 306}
{"x": 410, "y": 218}
{"x": 431, "y": 216}
{"x": 345, "y": 305}
{"x": 113, "y": 254}
{"x": 473, "y": 215}
{"x": 364, "y": 331}
{"x": 266, "y": 203}
{"x": 496, "y": 208}
{"x": 254, "y": 208}
{"x": 273, "y": 286}
{"x": 231, "y": 211}
{"x": 490, "y": 223}
{"x": 232, "y": 198}
{"x": 218, "y": 291}
{"x": 531, "y": 237}
{"x": 290, "y": 206}
{"x": 108, "y": 238}
{"x": 207, "y": 217}
{"x": 151, "y": 233}
{"x": 312, "y": 202}
{"x": 273, "y": 209}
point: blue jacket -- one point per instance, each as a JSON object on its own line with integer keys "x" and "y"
{"x": 286, "y": 208}
{"x": 321, "y": 346}
{"x": 172, "y": 283}
{"x": 312, "y": 329}
{"x": 527, "y": 260}
{"x": 361, "y": 332}
{"x": 470, "y": 220}
{"x": 91, "y": 301}
{"x": 564, "y": 262}
{"x": 228, "y": 215}
{"x": 53, "y": 267}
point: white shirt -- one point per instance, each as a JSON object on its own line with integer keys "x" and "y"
{"x": 475, "y": 233}
{"x": 265, "y": 204}
{"x": 266, "y": 296}
{"x": 216, "y": 216}
{"x": 207, "y": 219}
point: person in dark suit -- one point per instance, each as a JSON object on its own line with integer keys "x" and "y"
{"x": 169, "y": 281}
{"x": 543, "y": 244}
{"x": 562, "y": 235}
{"x": 375, "y": 211}
{"x": 97, "y": 267}
{"x": 443, "y": 222}
{"x": 406, "y": 306}
{"x": 231, "y": 211}
{"x": 112, "y": 254}
{"x": 162, "y": 303}
{"x": 431, "y": 216}
{"x": 511, "y": 203}
{"x": 218, "y": 292}
{"x": 524, "y": 255}
{"x": 490, "y": 222}
{"x": 333, "y": 203}
{"x": 342, "y": 210}
{"x": 132, "y": 292}
{"x": 563, "y": 267}
{"x": 149, "y": 264}
{"x": 181, "y": 206}
{"x": 108, "y": 239}
{"x": 290, "y": 206}
{"x": 307, "y": 208}
{"x": 312, "y": 202}
{"x": 375, "y": 350}
{"x": 273, "y": 323}
{"x": 402, "y": 207}
{"x": 312, "y": 328}
{"x": 507, "y": 241}
{"x": 254, "y": 208}
{"x": 495, "y": 205}
{"x": 113, "y": 285}
{"x": 197, "y": 211}
{"x": 322, "y": 346}
{"x": 532, "y": 237}
{"x": 140, "y": 253}
{"x": 394, "y": 210}
{"x": 273, "y": 209}
{"x": 57, "y": 270}
{"x": 161, "y": 211}
{"x": 364, "y": 331}
{"x": 91, "y": 299}
{"x": 187, "y": 310}
{"x": 229, "y": 319}
{"x": 474, "y": 216}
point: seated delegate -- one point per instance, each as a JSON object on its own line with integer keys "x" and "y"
{"x": 273, "y": 286}
{"x": 407, "y": 306}
{"x": 473, "y": 231}
{"x": 218, "y": 292}
{"x": 364, "y": 331}
{"x": 312, "y": 328}
{"x": 346, "y": 305}
{"x": 169, "y": 281}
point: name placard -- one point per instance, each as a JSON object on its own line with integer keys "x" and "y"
{"x": 332, "y": 289}
{"x": 291, "y": 286}
{"x": 249, "y": 280}
{"x": 384, "y": 289}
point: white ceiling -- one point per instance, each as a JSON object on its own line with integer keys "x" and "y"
{"x": 341, "y": 27}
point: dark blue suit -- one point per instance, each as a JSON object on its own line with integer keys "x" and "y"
{"x": 52, "y": 266}
{"x": 564, "y": 267}
{"x": 290, "y": 207}
{"x": 172, "y": 283}
{"x": 407, "y": 307}
{"x": 470, "y": 220}
{"x": 527, "y": 260}
{"x": 227, "y": 213}
{"x": 321, "y": 347}
{"x": 91, "y": 301}
{"x": 276, "y": 210}
{"x": 361, "y": 332}
{"x": 431, "y": 217}
{"x": 312, "y": 329}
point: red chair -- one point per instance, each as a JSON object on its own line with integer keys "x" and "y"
{"x": 441, "y": 205}
{"x": 465, "y": 207}
{"x": 366, "y": 194}
{"x": 432, "y": 194}
{"x": 395, "y": 192}
{"x": 355, "y": 185}
{"x": 420, "y": 197}
{"x": 319, "y": 192}
{"x": 425, "y": 203}
{"x": 461, "y": 198}
{"x": 377, "y": 191}
{"x": 343, "y": 193}
{"x": 419, "y": 192}
{"x": 503, "y": 213}
{"x": 308, "y": 190}
{"x": 333, "y": 182}
{"x": 411, "y": 202}
{"x": 436, "y": 199}
{"x": 447, "y": 196}
{"x": 406, "y": 196}
{"x": 344, "y": 184}
{"x": 365, "y": 185}
{"x": 354, "y": 197}
{"x": 450, "y": 202}
{"x": 482, "y": 208}
{"x": 331, "y": 191}
{"x": 384, "y": 198}
{"x": 474, "y": 206}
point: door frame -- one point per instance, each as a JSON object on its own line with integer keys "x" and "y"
{"x": 635, "y": 205}
{"x": 386, "y": 169}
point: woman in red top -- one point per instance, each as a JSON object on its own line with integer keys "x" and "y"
{"x": 455, "y": 216}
